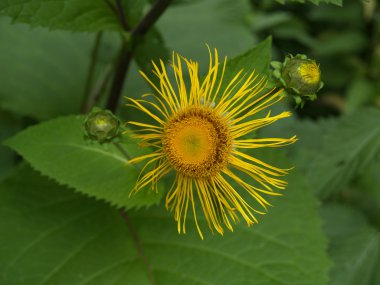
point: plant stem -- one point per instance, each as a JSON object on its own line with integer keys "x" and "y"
{"x": 139, "y": 248}
{"x": 111, "y": 6}
{"x": 122, "y": 150}
{"x": 121, "y": 14}
{"x": 87, "y": 98}
{"x": 127, "y": 51}
{"x": 151, "y": 17}
{"x": 100, "y": 86}
{"x": 118, "y": 79}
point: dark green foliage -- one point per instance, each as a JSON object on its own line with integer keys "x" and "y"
{"x": 83, "y": 241}
{"x": 67, "y": 216}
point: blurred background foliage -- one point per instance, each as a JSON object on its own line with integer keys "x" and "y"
{"x": 46, "y": 51}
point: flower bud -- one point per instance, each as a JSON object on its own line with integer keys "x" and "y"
{"x": 101, "y": 125}
{"x": 300, "y": 76}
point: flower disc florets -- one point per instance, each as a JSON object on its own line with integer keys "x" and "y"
{"x": 197, "y": 142}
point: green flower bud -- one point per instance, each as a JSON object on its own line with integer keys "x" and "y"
{"x": 300, "y": 76}
{"x": 101, "y": 125}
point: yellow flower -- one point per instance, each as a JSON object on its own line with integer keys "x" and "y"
{"x": 199, "y": 132}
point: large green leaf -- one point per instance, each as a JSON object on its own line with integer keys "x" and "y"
{"x": 346, "y": 151}
{"x": 58, "y": 149}
{"x": 364, "y": 192}
{"x": 188, "y": 28}
{"x": 52, "y": 236}
{"x": 84, "y": 15}
{"x": 43, "y": 73}
{"x": 310, "y": 133}
{"x": 354, "y": 246}
{"x": 361, "y": 86}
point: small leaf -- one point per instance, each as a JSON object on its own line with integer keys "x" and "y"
{"x": 255, "y": 60}
{"x": 57, "y": 149}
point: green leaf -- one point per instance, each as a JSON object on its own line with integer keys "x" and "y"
{"x": 187, "y": 28}
{"x": 58, "y": 149}
{"x": 346, "y": 151}
{"x": 255, "y": 60}
{"x": 150, "y": 48}
{"x": 333, "y": 15}
{"x": 261, "y": 21}
{"x": 53, "y": 236}
{"x": 359, "y": 93}
{"x": 9, "y": 125}
{"x": 47, "y": 78}
{"x": 316, "y": 2}
{"x": 310, "y": 133}
{"x": 335, "y": 43}
{"x": 84, "y": 15}
{"x": 364, "y": 192}
{"x": 354, "y": 246}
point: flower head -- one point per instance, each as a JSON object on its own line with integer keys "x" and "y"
{"x": 201, "y": 132}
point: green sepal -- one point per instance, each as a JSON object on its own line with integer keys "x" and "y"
{"x": 311, "y": 97}
{"x": 296, "y": 91}
{"x": 276, "y": 64}
{"x": 277, "y": 74}
{"x": 283, "y": 83}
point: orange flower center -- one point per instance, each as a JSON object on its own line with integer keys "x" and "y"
{"x": 197, "y": 142}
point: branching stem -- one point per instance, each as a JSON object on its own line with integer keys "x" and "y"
{"x": 127, "y": 51}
